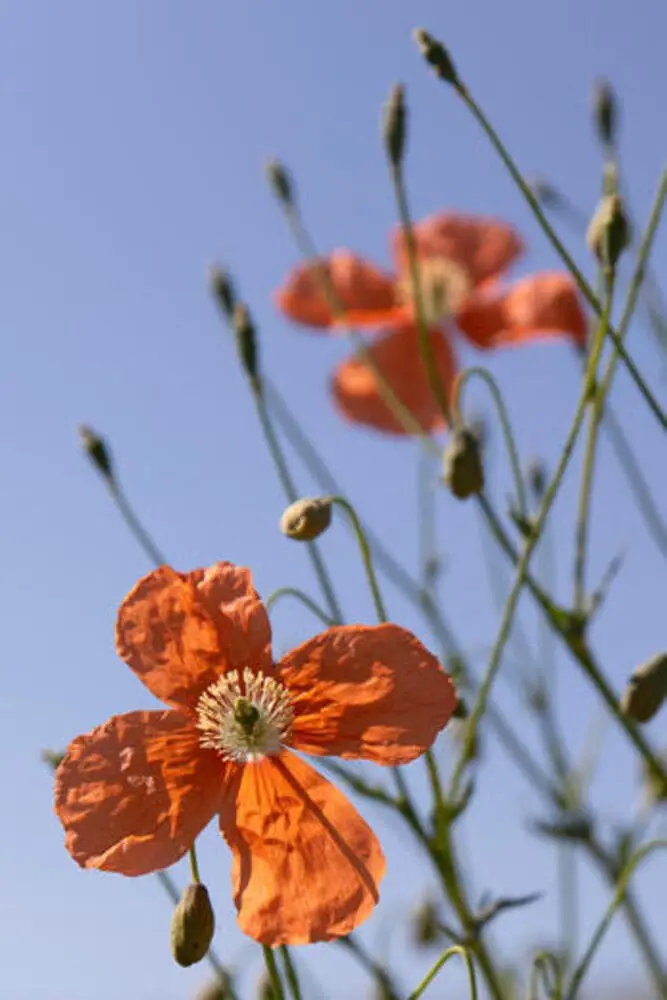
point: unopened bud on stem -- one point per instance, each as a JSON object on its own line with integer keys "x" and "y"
{"x": 609, "y": 231}
{"x": 192, "y": 925}
{"x": 222, "y": 286}
{"x": 97, "y": 451}
{"x": 394, "y": 125}
{"x": 246, "y": 340}
{"x": 306, "y": 519}
{"x": 462, "y": 468}
{"x": 605, "y": 111}
{"x": 437, "y": 56}
{"x": 280, "y": 182}
{"x": 646, "y": 690}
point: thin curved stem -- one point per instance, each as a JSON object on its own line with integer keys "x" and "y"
{"x": 456, "y": 949}
{"x": 298, "y": 595}
{"x": 291, "y": 973}
{"x": 543, "y": 961}
{"x": 273, "y": 974}
{"x": 373, "y": 967}
{"x": 366, "y": 557}
{"x": 194, "y": 864}
{"x": 137, "y": 529}
{"x": 505, "y": 424}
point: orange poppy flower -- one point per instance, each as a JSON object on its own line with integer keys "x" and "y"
{"x": 134, "y": 793}
{"x": 462, "y": 258}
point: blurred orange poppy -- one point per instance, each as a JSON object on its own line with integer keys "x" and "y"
{"x": 134, "y": 793}
{"x": 461, "y": 259}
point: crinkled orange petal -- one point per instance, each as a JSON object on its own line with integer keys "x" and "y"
{"x": 180, "y": 631}
{"x": 396, "y": 353}
{"x": 484, "y": 247}
{"x": 306, "y": 866}
{"x": 534, "y": 308}
{"x": 134, "y": 793}
{"x": 359, "y": 286}
{"x": 373, "y": 692}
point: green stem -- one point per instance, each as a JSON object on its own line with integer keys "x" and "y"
{"x": 299, "y": 595}
{"x": 567, "y": 259}
{"x": 287, "y": 482}
{"x": 543, "y": 961}
{"x": 366, "y": 960}
{"x": 194, "y": 864}
{"x": 435, "y": 382}
{"x": 291, "y": 973}
{"x": 366, "y": 557}
{"x": 596, "y": 940}
{"x": 531, "y": 542}
{"x": 134, "y": 524}
{"x": 273, "y": 974}
{"x": 505, "y": 424}
{"x": 444, "y": 958}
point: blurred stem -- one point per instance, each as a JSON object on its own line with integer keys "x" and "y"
{"x": 541, "y": 962}
{"x": 435, "y": 382}
{"x": 366, "y": 960}
{"x": 444, "y": 958}
{"x": 505, "y": 424}
{"x": 272, "y": 971}
{"x": 134, "y": 524}
{"x": 531, "y": 542}
{"x": 567, "y": 259}
{"x": 291, "y": 973}
{"x": 194, "y": 864}
{"x": 292, "y": 495}
{"x": 299, "y": 595}
{"x": 621, "y": 890}
{"x": 426, "y": 508}
{"x": 366, "y": 557}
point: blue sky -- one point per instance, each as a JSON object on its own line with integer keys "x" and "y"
{"x": 133, "y": 141}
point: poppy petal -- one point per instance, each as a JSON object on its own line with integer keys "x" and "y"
{"x": 373, "y": 692}
{"x": 360, "y": 287}
{"x": 306, "y": 865}
{"x": 134, "y": 793}
{"x": 537, "y": 307}
{"x": 484, "y": 247}
{"x": 358, "y": 398}
{"x": 180, "y": 631}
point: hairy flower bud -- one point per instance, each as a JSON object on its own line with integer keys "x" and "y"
{"x": 646, "y": 690}
{"x": 394, "y": 125}
{"x": 306, "y": 519}
{"x": 246, "y": 340}
{"x": 280, "y": 182}
{"x": 222, "y": 286}
{"x": 437, "y": 56}
{"x": 192, "y": 925}
{"x": 609, "y": 231}
{"x": 97, "y": 451}
{"x": 462, "y": 467}
{"x": 605, "y": 111}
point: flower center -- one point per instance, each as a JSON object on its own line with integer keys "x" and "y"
{"x": 245, "y": 716}
{"x": 444, "y": 285}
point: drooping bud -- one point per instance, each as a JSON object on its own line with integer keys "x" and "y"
{"x": 394, "y": 125}
{"x": 646, "y": 690}
{"x": 222, "y": 286}
{"x": 246, "y": 340}
{"x": 280, "y": 182}
{"x": 605, "y": 111}
{"x": 97, "y": 451}
{"x": 192, "y": 925}
{"x": 53, "y": 758}
{"x": 536, "y": 474}
{"x": 462, "y": 468}
{"x": 425, "y": 925}
{"x": 307, "y": 519}
{"x": 437, "y": 56}
{"x": 609, "y": 231}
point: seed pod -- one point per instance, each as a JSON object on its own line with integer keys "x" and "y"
{"x": 97, "y": 451}
{"x": 437, "y": 56}
{"x": 462, "y": 468}
{"x": 280, "y": 182}
{"x": 425, "y": 926}
{"x": 222, "y": 286}
{"x": 646, "y": 690}
{"x": 605, "y": 111}
{"x": 394, "y": 125}
{"x": 306, "y": 519}
{"x": 609, "y": 230}
{"x": 192, "y": 925}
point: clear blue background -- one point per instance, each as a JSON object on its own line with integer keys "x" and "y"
{"x": 133, "y": 138}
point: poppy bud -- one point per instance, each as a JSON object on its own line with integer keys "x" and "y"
{"x": 222, "y": 286}
{"x": 436, "y": 55}
{"x": 280, "y": 182}
{"x": 605, "y": 111}
{"x": 53, "y": 758}
{"x": 462, "y": 468}
{"x": 394, "y": 125}
{"x": 609, "y": 231}
{"x": 425, "y": 926}
{"x": 217, "y": 990}
{"x": 306, "y": 519}
{"x": 246, "y": 340}
{"x": 646, "y": 690}
{"x": 96, "y": 449}
{"x": 192, "y": 925}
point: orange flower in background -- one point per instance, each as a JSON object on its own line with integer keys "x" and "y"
{"x": 134, "y": 793}
{"x": 461, "y": 260}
